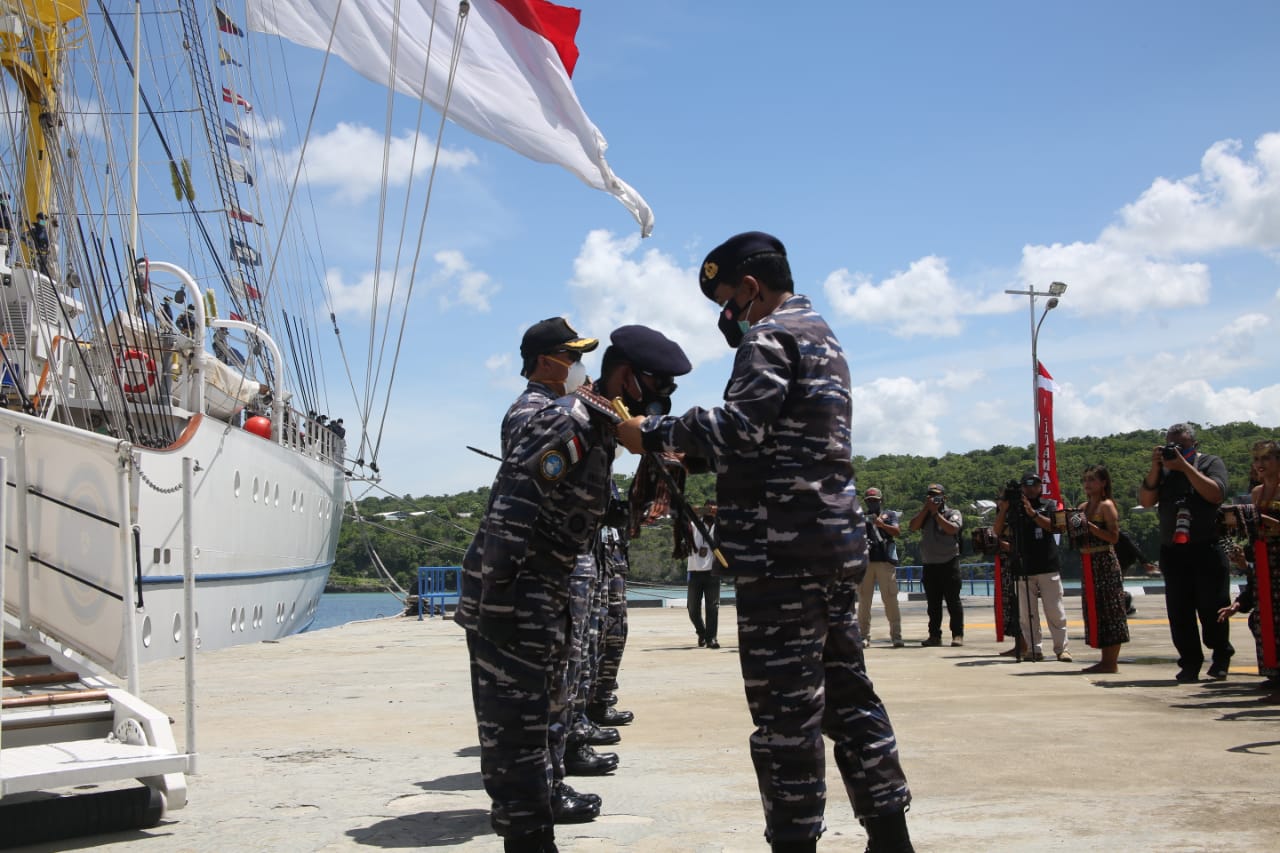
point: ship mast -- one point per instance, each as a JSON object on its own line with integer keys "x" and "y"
{"x": 36, "y": 70}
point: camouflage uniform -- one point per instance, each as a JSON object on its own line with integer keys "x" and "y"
{"x": 792, "y": 530}
{"x": 614, "y": 632}
{"x": 543, "y": 513}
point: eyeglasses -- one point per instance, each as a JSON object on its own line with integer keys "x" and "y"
{"x": 574, "y": 355}
{"x": 660, "y": 384}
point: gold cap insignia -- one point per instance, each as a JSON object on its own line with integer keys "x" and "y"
{"x": 709, "y": 270}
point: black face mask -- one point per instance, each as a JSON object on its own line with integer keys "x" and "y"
{"x": 731, "y": 324}
{"x": 651, "y": 402}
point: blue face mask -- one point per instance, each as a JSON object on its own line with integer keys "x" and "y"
{"x": 733, "y": 324}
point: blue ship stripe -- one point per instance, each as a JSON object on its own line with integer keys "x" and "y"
{"x": 160, "y": 580}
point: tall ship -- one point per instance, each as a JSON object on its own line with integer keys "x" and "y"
{"x": 160, "y": 408}
{"x": 173, "y": 476}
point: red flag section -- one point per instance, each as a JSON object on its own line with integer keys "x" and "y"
{"x": 1046, "y": 454}
{"x": 556, "y": 24}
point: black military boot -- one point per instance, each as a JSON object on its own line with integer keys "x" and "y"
{"x": 887, "y": 833}
{"x": 809, "y": 845}
{"x": 567, "y": 806}
{"x": 597, "y": 736}
{"x": 581, "y": 760}
{"x": 542, "y": 841}
{"x": 563, "y": 787}
{"x": 605, "y": 716}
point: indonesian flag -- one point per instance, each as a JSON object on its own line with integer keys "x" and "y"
{"x": 512, "y": 84}
{"x": 1046, "y": 455}
{"x": 233, "y": 98}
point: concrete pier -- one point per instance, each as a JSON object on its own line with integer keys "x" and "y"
{"x": 362, "y": 737}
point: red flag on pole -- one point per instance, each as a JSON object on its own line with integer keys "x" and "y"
{"x": 1046, "y": 455}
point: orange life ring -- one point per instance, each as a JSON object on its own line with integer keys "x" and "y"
{"x": 149, "y": 368}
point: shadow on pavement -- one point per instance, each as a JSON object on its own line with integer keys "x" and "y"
{"x": 427, "y": 829}
{"x": 456, "y": 782}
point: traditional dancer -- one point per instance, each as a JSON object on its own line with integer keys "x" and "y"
{"x": 1105, "y": 625}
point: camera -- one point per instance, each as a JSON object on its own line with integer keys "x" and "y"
{"x": 1012, "y": 493}
{"x": 938, "y": 499}
{"x": 1170, "y": 451}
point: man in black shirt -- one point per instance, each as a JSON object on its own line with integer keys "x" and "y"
{"x": 1189, "y": 486}
{"x": 1037, "y": 569}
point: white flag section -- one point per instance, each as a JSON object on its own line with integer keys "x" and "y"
{"x": 511, "y": 84}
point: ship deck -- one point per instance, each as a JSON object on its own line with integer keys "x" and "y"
{"x": 362, "y": 737}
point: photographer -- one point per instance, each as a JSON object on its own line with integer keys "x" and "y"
{"x": 939, "y": 529}
{"x": 882, "y": 569}
{"x": 1189, "y": 486}
{"x": 1029, "y": 517}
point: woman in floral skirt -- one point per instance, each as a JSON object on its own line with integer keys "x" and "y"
{"x": 1105, "y": 625}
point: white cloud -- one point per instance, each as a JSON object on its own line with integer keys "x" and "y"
{"x": 353, "y": 298}
{"x": 464, "y": 286}
{"x": 1102, "y": 279}
{"x": 1145, "y": 259}
{"x": 615, "y": 283}
{"x": 349, "y": 158}
{"x": 924, "y": 300}
{"x": 1167, "y": 387}
{"x": 898, "y": 415}
{"x": 1232, "y": 203}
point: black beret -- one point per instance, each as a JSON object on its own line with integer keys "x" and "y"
{"x": 551, "y": 335}
{"x": 724, "y": 259}
{"x": 650, "y": 350}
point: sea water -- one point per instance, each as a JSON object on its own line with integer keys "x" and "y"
{"x": 339, "y": 608}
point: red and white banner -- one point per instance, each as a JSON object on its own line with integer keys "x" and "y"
{"x": 1046, "y": 455}
{"x": 512, "y": 83}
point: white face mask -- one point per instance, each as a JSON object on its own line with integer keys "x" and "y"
{"x": 575, "y": 378}
{"x": 576, "y": 375}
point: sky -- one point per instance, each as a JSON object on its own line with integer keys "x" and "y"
{"x": 916, "y": 159}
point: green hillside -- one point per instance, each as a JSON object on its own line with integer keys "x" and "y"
{"x": 435, "y": 531}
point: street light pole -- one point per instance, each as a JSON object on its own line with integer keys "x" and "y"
{"x": 1056, "y": 289}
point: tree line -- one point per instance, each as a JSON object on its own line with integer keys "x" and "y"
{"x": 407, "y": 532}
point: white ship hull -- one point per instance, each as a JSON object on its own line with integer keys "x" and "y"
{"x": 265, "y": 519}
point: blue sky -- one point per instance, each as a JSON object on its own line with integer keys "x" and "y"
{"x": 916, "y": 159}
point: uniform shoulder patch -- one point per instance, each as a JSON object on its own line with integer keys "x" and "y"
{"x": 552, "y": 465}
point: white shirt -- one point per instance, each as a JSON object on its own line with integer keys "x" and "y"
{"x": 700, "y": 558}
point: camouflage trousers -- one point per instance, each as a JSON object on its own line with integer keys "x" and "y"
{"x": 595, "y": 634}
{"x": 513, "y": 688}
{"x": 804, "y": 674}
{"x": 566, "y": 723}
{"x": 615, "y": 638}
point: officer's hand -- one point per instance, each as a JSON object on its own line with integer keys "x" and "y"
{"x": 1157, "y": 455}
{"x": 629, "y": 435}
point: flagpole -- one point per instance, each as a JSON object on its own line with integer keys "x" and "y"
{"x": 1056, "y": 289}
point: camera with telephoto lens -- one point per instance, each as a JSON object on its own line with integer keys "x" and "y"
{"x": 938, "y": 499}
{"x": 1012, "y": 493}
{"x": 1170, "y": 451}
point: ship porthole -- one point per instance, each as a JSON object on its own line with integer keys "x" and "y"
{"x": 255, "y": 489}
{"x": 293, "y": 610}
{"x": 275, "y": 495}
{"x": 146, "y": 632}
{"x": 241, "y": 618}
{"x": 177, "y": 627}
{"x": 236, "y": 488}
{"x": 233, "y": 620}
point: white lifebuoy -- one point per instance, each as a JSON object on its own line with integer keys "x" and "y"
{"x": 148, "y": 371}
